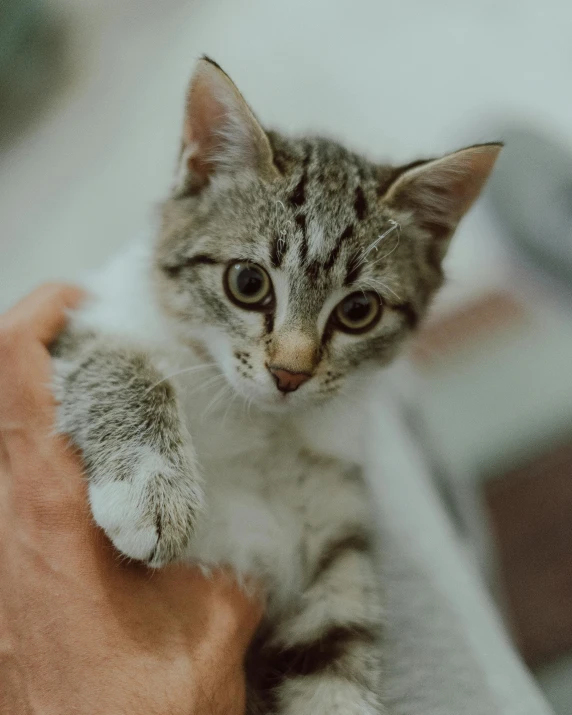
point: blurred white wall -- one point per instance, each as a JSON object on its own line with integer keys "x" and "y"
{"x": 394, "y": 79}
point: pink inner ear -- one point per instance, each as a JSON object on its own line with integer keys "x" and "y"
{"x": 204, "y": 118}
{"x": 220, "y": 133}
{"x": 442, "y": 191}
{"x": 467, "y": 178}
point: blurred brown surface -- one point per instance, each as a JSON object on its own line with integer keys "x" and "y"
{"x": 466, "y": 327}
{"x": 531, "y": 513}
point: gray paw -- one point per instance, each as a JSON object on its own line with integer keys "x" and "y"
{"x": 151, "y": 515}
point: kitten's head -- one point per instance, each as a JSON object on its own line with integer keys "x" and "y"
{"x": 296, "y": 262}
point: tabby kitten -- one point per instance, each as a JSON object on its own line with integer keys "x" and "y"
{"x": 193, "y": 379}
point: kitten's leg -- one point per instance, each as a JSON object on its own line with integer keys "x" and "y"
{"x": 328, "y": 649}
{"x": 144, "y": 486}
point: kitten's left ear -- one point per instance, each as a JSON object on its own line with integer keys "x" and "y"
{"x": 220, "y": 131}
{"x": 441, "y": 191}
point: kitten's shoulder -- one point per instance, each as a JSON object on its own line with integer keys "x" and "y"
{"x": 337, "y": 429}
{"x": 344, "y": 427}
{"x": 121, "y": 298}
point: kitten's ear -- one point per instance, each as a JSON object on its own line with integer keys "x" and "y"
{"x": 220, "y": 132}
{"x": 439, "y": 192}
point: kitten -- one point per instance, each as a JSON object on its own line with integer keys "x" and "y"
{"x": 193, "y": 378}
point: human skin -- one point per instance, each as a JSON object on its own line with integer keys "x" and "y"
{"x": 82, "y": 630}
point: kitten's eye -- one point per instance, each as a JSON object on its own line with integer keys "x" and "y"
{"x": 249, "y": 286}
{"x": 358, "y": 312}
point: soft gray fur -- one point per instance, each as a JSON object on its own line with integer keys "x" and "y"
{"x": 168, "y": 385}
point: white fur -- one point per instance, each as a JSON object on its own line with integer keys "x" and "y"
{"x": 326, "y": 696}
{"x": 120, "y": 304}
{"x": 281, "y": 291}
{"x": 121, "y": 508}
{"x": 270, "y": 513}
{"x": 116, "y": 507}
{"x": 250, "y": 526}
{"x": 339, "y": 598}
{"x": 315, "y": 240}
{"x": 254, "y": 536}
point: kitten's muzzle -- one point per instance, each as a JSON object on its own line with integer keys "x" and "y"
{"x": 287, "y": 381}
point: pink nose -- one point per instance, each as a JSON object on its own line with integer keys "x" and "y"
{"x": 287, "y": 381}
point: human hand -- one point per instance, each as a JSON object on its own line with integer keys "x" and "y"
{"x": 81, "y": 630}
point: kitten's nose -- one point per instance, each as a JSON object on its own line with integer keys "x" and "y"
{"x": 287, "y": 381}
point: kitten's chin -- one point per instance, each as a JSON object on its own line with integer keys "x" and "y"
{"x": 266, "y": 398}
{"x": 282, "y": 403}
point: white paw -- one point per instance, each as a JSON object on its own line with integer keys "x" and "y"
{"x": 117, "y": 508}
{"x": 151, "y": 516}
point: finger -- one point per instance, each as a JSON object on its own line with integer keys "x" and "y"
{"x": 43, "y": 313}
{"x": 237, "y": 609}
{"x": 234, "y": 610}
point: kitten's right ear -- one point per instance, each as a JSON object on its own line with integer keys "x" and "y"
{"x": 220, "y": 131}
{"x": 439, "y": 192}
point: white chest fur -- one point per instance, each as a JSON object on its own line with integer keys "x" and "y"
{"x": 256, "y": 517}
{"x": 253, "y": 523}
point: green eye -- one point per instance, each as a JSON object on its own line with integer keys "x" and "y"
{"x": 358, "y": 312}
{"x": 249, "y": 286}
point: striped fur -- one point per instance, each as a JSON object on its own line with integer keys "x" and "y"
{"x": 165, "y": 382}
{"x": 332, "y": 630}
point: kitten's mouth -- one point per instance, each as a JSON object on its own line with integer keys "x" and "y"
{"x": 276, "y": 401}
{"x": 278, "y": 398}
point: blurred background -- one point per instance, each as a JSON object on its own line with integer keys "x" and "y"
{"x": 91, "y": 95}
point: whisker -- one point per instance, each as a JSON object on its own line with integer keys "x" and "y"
{"x": 229, "y": 394}
{"x": 245, "y": 405}
{"x": 343, "y": 393}
{"x": 375, "y": 281}
{"x": 215, "y": 400}
{"x": 248, "y": 408}
{"x": 364, "y": 257}
{"x": 203, "y": 385}
{"x": 192, "y": 368}
{"x": 394, "y": 227}
{"x": 386, "y": 255}
{"x": 234, "y": 398}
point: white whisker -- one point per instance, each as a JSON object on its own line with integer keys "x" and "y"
{"x": 373, "y": 247}
{"x": 230, "y": 404}
{"x": 344, "y": 394}
{"x": 376, "y": 282}
{"x": 211, "y": 381}
{"x": 386, "y": 255}
{"x": 215, "y": 400}
{"x": 193, "y": 368}
{"x": 248, "y": 408}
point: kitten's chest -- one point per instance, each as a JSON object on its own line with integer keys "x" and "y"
{"x": 258, "y": 515}
{"x": 221, "y": 424}
{"x": 253, "y": 521}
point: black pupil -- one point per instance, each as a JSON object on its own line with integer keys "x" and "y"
{"x": 249, "y": 282}
{"x": 356, "y": 308}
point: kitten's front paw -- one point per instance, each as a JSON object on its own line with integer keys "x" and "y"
{"x": 149, "y": 516}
